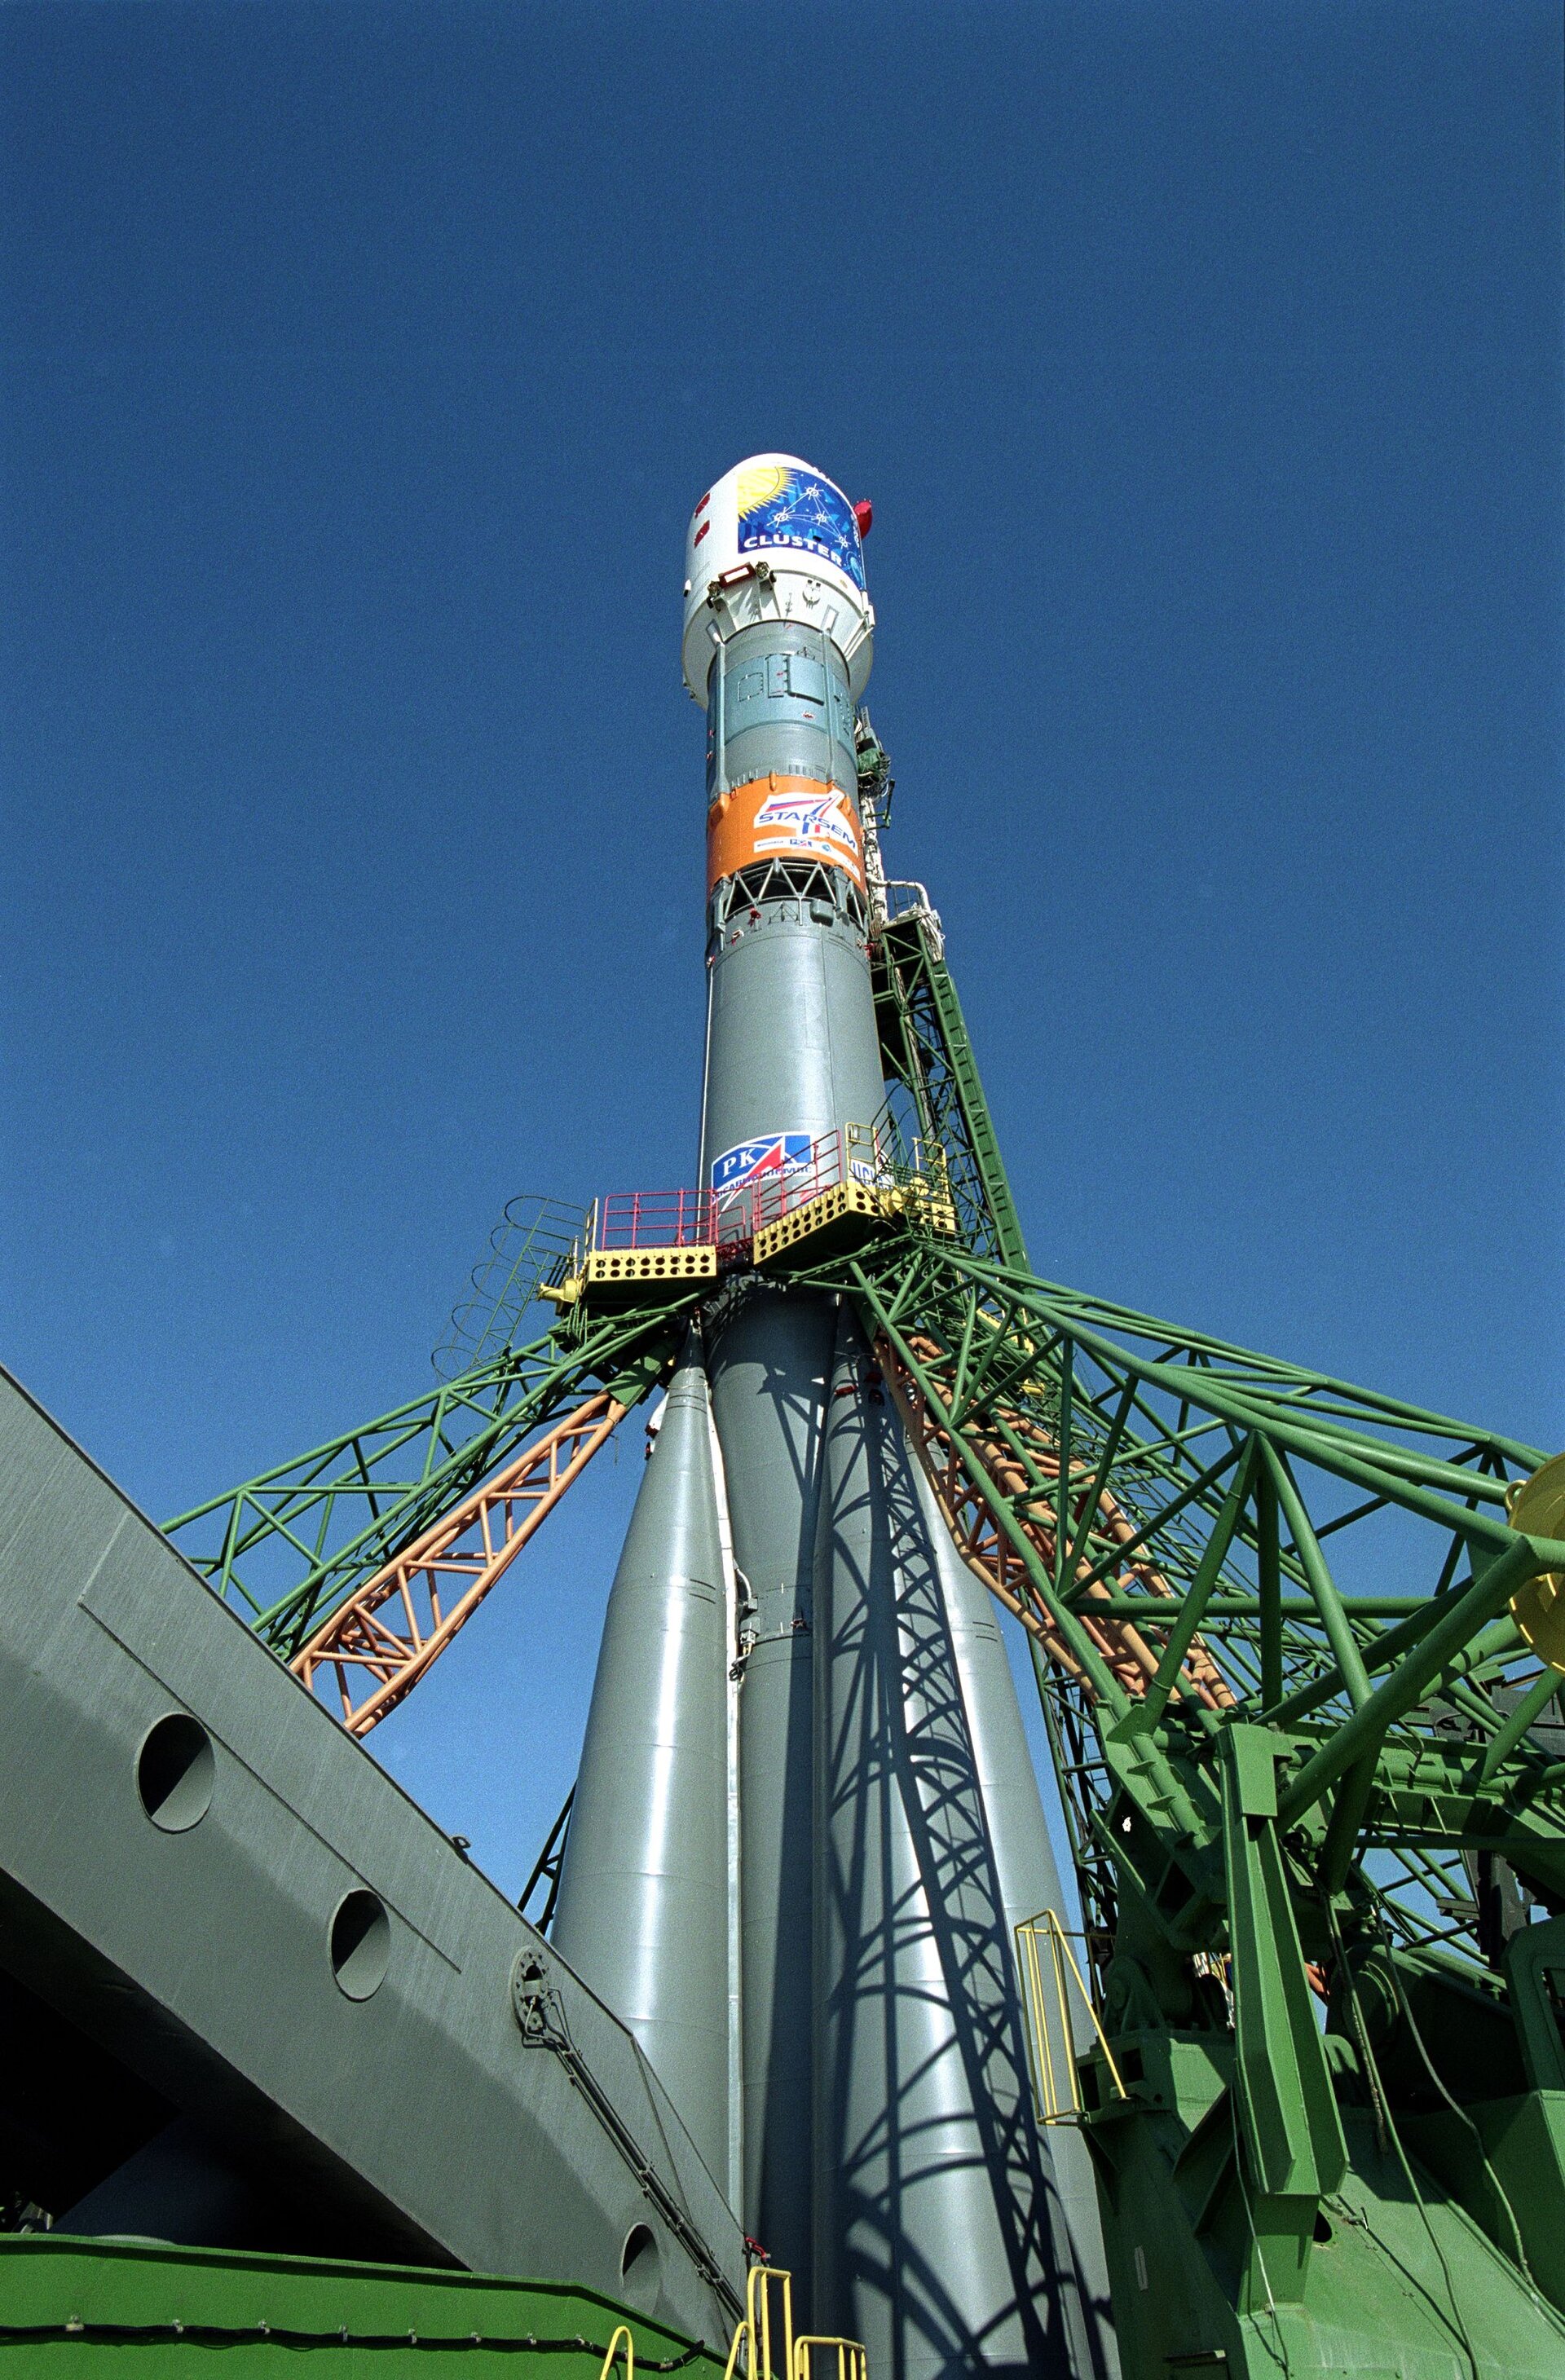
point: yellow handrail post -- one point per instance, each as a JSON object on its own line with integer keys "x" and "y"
{"x": 1048, "y": 2098}
{"x": 853, "y": 2360}
{"x": 755, "y": 2331}
{"x": 622, "y": 2332}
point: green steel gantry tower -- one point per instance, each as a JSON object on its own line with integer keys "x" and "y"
{"x": 1298, "y": 1647}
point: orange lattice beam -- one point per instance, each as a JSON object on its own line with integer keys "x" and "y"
{"x": 989, "y": 1554}
{"x": 384, "y": 1638}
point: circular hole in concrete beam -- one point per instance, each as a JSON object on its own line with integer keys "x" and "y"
{"x": 640, "y": 2265}
{"x": 360, "y": 1943}
{"x": 175, "y": 1771}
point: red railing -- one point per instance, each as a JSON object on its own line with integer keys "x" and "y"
{"x": 850, "y": 1155}
{"x": 690, "y": 1218}
{"x": 655, "y": 1218}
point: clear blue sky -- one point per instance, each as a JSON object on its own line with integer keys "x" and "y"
{"x": 362, "y": 364}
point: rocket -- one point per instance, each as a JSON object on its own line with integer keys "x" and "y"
{"x": 806, "y": 1820}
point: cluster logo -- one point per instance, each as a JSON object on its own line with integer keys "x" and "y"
{"x": 780, "y": 505}
{"x": 778, "y": 1155}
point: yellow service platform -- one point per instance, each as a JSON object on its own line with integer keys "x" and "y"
{"x": 620, "y": 1276}
{"x": 629, "y": 1267}
{"x": 852, "y": 1212}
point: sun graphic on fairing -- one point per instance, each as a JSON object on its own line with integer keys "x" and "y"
{"x": 760, "y": 485}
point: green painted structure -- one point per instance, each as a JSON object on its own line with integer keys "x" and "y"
{"x": 1323, "y": 1921}
{"x": 253, "y": 1996}
{"x": 69, "y": 2305}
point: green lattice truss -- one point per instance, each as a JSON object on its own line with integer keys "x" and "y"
{"x": 1325, "y": 1922}
{"x": 288, "y": 1547}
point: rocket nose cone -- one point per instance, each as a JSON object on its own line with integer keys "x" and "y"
{"x": 688, "y": 1385}
{"x": 775, "y": 531}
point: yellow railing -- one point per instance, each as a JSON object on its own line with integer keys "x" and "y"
{"x": 852, "y": 2362}
{"x": 754, "y": 2338}
{"x": 1057, "y": 2095}
{"x": 754, "y": 2334}
{"x": 622, "y": 2333}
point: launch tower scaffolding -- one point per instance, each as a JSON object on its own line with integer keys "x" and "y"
{"x": 1295, "y": 1645}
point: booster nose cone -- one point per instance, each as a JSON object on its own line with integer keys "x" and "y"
{"x": 774, "y": 538}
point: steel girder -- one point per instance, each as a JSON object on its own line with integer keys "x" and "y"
{"x": 1151, "y": 1492}
{"x": 292, "y": 1545}
{"x": 390, "y": 1631}
{"x": 1312, "y": 1785}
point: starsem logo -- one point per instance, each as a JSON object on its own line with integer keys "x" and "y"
{"x": 786, "y": 818}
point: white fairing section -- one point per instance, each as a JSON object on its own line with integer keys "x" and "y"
{"x": 774, "y": 538}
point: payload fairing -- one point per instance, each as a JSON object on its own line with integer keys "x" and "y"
{"x": 806, "y": 1820}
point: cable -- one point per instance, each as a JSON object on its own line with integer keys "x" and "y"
{"x": 1456, "y": 2326}
{"x": 231, "y": 2334}
{"x": 1457, "y": 2109}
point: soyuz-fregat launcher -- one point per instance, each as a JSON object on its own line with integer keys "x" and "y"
{"x": 289, "y": 2075}
{"x": 806, "y": 1820}
{"x": 271, "y": 2010}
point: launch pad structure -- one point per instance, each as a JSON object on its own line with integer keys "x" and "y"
{"x": 799, "y": 2058}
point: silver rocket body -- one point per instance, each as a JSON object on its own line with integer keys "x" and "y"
{"x": 1026, "y": 1877}
{"x": 939, "y": 2235}
{"x": 889, "y": 1830}
{"x": 792, "y": 1049}
{"x": 642, "y": 1911}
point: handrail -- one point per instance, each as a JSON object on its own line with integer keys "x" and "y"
{"x": 853, "y": 2360}
{"x": 754, "y": 2334}
{"x": 623, "y": 2332}
{"x": 652, "y": 1218}
{"x": 729, "y": 1219}
{"x": 755, "y": 2331}
{"x": 1048, "y": 2100}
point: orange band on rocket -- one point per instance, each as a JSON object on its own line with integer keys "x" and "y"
{"x": 783, "y": 818}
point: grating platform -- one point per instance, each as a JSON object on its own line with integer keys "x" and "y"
{"x": 922, "y": 1203}
{"x": 851, "y": 1212}
{"x": 608, "y": 1269}
{"x": 838, "y": 1217}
